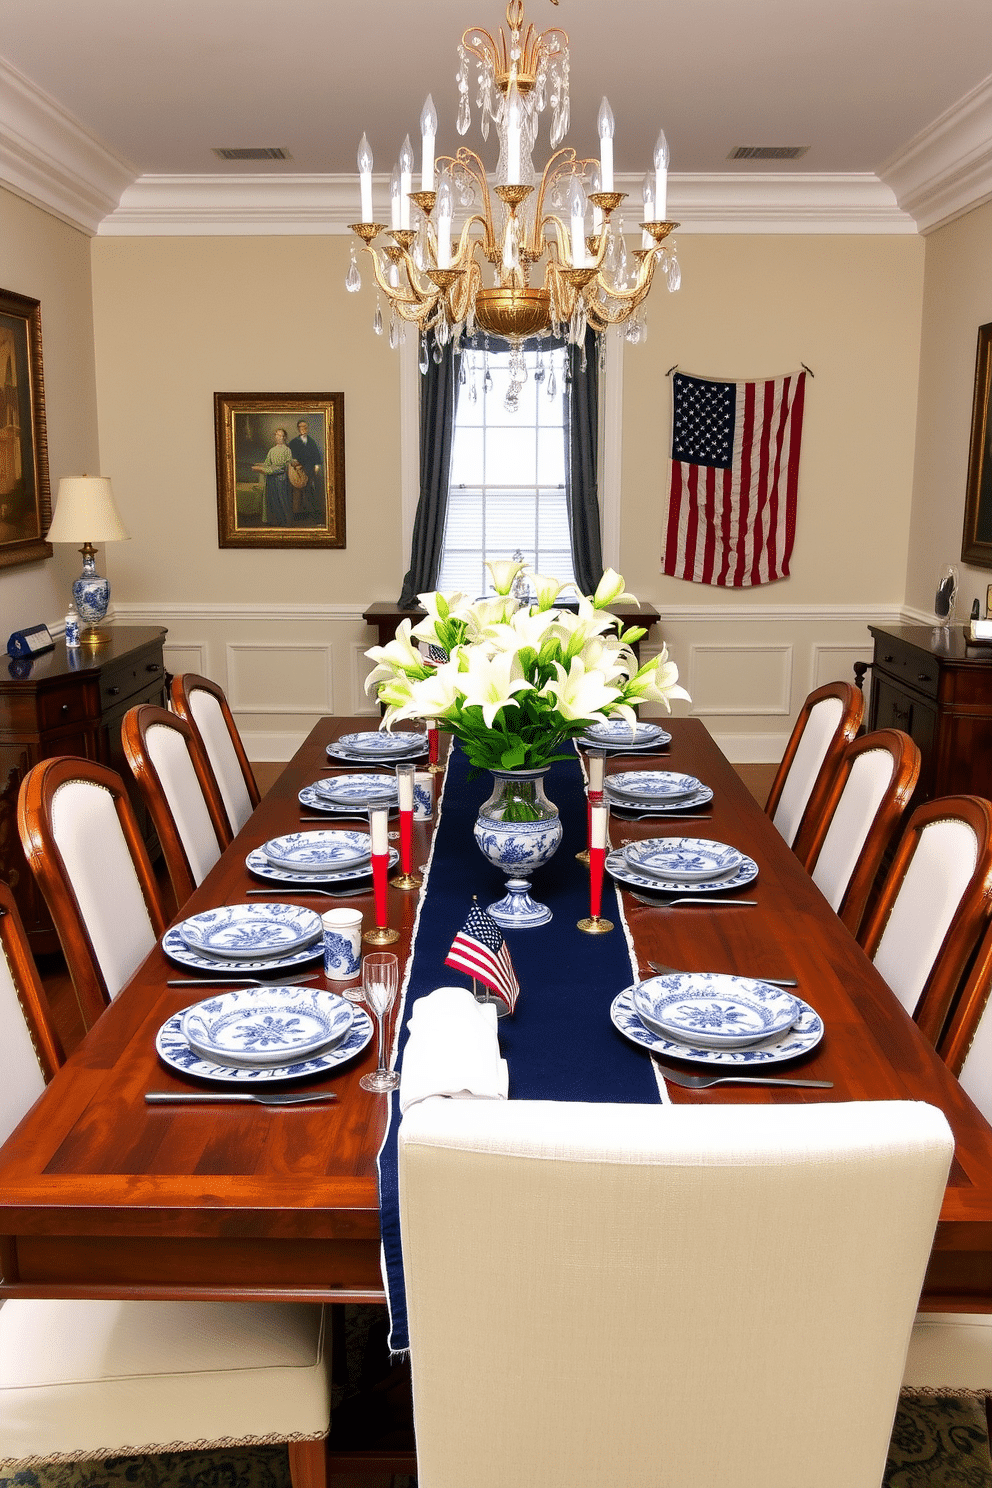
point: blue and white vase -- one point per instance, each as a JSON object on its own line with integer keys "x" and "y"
{"x": 91, "y": 593}
{"x": 518, "y": 830}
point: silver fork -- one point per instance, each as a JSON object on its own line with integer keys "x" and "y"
{"x": 772, "y": 981}
{"x": 700, "y": 1082}
{"x": 234, "y": 981}
{"x": 304, "y": 893}
{"x": 688, "y": 899}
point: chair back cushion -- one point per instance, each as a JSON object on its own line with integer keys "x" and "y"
{"x": 168, "y": 753}
{"x": 223, "y": 757}
{"x": 976, "y": 1072}
{"x": 866, "y": 784}
{"x": 662, "y": 1296}
{"x": 22, "y": 1079}
{"x": 937, "y": 876}
{"x": 821, "y": 726}
{"x": 100, "y": 868}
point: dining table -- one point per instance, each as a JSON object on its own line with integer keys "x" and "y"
{"x": 105, "y": 1195}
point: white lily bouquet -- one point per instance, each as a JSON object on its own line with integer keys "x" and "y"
{"x": 519, "y": 679}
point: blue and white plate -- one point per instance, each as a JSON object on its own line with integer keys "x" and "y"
{"x": 635, "y": 809}
{"x": 616, "y": 733}
{"x": 177, "y": 950}
{"x": 258, "y": 1027}
{"x": 688, "y": 860}
{"x": 256, "y": 862}
{"x": 652, "y": 785}
{"x": 368, "y": 761}
{"x": 174, "y": 1050}
{"x": 804, "y": 1035}
{"x": 631, "y": 878}
{"x": 713, "y": 1011}
{"x": 319, "y": 852}
{"x": 378, "y": 744}
{"x": 311, "y": 797}
{"x": 235, "y": 932}
{"x": 357, "y": 790}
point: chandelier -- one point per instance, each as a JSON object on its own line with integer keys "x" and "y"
{"x": 546, "y": 273}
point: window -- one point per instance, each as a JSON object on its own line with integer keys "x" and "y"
{"x": 507, "y": 485}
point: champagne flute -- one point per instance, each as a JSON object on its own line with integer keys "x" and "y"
{"x": 380, "y": 980}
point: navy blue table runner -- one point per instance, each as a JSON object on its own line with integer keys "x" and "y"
{"x": 559, "y": 1044}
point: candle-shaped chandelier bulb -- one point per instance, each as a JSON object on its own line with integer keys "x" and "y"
{"x": 577, "y": 211}
{"x": 595, "y": 186}
{"x": 428, "y": 134}
{"x": 365, "y": 177}
{"x": 606, "y": 127}
{"x": 444, "y": 209}
{"x": 406, "y": 180}
{"x": 514, "y": 133}
{"x": 661, "y": 177}
{"x": 647, "y": 209}
{"x": 395, "y": 211}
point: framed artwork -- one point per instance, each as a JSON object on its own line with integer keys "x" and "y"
{"x": 25, "y": 494}
{"x": 976, "y": 541}
{"x": 280, "y": 470}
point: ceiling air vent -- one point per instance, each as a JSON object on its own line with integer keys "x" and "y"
{"x": 767, "y": 152}
{"x": 253, "y": 152}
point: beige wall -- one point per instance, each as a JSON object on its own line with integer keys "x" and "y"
{"x": 957, "y": 300}
{"x": 48, "y": 261}
{"x": 178, "y": 319}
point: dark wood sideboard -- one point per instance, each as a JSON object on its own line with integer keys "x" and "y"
{"x": 69, "y": 703}
{"x": 937, "y": 688}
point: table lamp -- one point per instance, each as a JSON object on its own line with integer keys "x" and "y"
{"x": 85, "y": 513}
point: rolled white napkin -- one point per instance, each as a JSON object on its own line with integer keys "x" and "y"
{"x": 453, "y": 1050}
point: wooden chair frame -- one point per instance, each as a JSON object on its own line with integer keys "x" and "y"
{"x": 27, "y": 984}
{"x": 134, "y": 727}
{"x": 906, "y": 761}
{"x": 970, "y": 919}
{"x": 183, "y": 686}
{"x": 34, "y": 821}
{"x": 853, "y": 707}
{"x": 962, "y": 1025}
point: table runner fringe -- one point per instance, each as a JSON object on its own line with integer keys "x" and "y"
{"x": 943, "y": 1392}
{"x": 156, "y": 1449}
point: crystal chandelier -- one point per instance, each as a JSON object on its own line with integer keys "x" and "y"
{"x": 525, "y": 226}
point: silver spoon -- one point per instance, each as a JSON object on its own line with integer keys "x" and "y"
{"x": 202, "y": 1097}
{"x": 234, "y": 981}
{"x": 772, "y": 981}
{"x": 700, "y": 1082}
{"x": 686, "y": 899}
{"x": 305, "y": 893}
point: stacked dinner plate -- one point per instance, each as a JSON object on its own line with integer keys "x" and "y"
{"x": 616, "y": 736}
{"x": 264, "y": 938}
{"x": 681, "y": 865}
{"x": 311, "y": 858}
{"x": 349, "y": 795}
{"x": 377, "y": 747}
{"x": 709, "y": 1018}
{"x": 655, "y": 792}
{"x": 264, "y": 1033}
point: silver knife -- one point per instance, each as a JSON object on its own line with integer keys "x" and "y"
{"x": 204, "y": 1097}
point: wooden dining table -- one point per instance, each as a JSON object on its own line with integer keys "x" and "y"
{"x": 102, "y": 1195}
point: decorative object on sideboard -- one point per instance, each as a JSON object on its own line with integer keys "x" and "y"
{"x": 524, "y": 221}
{"x": 25, "y": 497}
{"x": 30, "y": 642}
{"x": 947, "y": 592}
{"x": 87, "y": 513}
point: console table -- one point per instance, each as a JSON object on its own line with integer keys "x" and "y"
{"x": 937, "y": 688}
{"x": 69, "y": 702}
{"x": 385, "y": 617}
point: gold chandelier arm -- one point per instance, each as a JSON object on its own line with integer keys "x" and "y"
{"x": 394, "y": 295}
{"x": 627, "y": 299}
{"x": 462, "y": 294}
{"x": 555, "y": 167}
{"x": 467, "y": 245}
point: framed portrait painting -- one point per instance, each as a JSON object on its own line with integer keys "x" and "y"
{"x": 25, "y": 494}
{"x": 280, "y": 470}
{"x": 976, "y": 541}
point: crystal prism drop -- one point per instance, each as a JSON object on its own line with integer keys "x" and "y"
{"x": 438, "y": 353}
{"x": 377, "y": 319}
{"x": 674, "y": 275}
{"x": 462, "y": 374}
{"x": 487, "y": 381}
{"x": 423, "y": 362}
{"x": 552, "y": 384}
{"x": 539, "y": 370}
{"x": 353, "y": 280}
{"x": 464, "y": 115}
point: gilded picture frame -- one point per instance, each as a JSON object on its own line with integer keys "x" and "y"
{"x": 976, "y": 540}
{"x": 280, "y": 470}
{"x": 25, "y": 490}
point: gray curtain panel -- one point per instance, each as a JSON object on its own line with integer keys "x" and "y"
{"x": 581, "y": 461}
{"x": 438, "y": 400}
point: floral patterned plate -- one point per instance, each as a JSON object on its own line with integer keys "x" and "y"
{"x": 712, "y": 1010}
{"x": 619, "y": 868}
{"x": 616, "y": 733}
{"x": 258, "y": 863}
{"x": 652, "y": 785}
{"x": 311, "y": 797}
{"x": 319, "y": 852}
{"x": 175, "y": 1051}
{"x": 630, "y": 808}
{"x": 177, "y": 950}
{"x": 804, "y": 1035}
{"x": 257, "y": 1027}
{"x": 235, "y": 932}
{"x": 357, "y": 790}
{"x": 377, "y": 744}
{"x": 683, "y": 859}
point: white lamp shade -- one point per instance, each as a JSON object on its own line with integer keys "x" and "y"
{"x": 85, "y": 512}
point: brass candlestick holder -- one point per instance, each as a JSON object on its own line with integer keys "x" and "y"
{"x": 405, "y": 881}
{"x": 595, "y": 925}
{"x": 380, "y": 935}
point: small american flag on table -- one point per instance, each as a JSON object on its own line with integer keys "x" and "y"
{"x": 480, "y": 950}
{"x": 735, "y": 477}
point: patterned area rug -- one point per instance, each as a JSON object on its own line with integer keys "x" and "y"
{"x": 939, "y": 1442}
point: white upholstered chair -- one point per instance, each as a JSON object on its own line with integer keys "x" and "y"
{"x": 82, "y": 841}
{"x": 663, "y": 1296}
{"x": 843, "y": 848}
{"x": 829, "y": 719}
{"x": 91, "y": 1379}
{"x": 203, "y": 705}
{"x": 177, "y": 784}
{"x": 933, "y": 907}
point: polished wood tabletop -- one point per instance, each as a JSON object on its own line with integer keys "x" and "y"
{"x": 101, "y": 1195}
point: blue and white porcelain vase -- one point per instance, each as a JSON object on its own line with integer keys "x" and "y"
{"x": 518, "y": 830}
{"x": 90, "y": 592}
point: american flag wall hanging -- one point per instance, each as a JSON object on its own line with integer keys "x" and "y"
{"x": 735, "y": 473}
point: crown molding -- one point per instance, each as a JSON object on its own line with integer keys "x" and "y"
{"x": 281, "y": 204}
{"x": 946, "y": 170}
{"x": 49, "y": 159}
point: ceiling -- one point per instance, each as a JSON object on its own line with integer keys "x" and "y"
{"x": 159, "y": 86}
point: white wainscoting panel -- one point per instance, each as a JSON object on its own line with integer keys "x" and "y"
{"x": 739, "y": 679}
{"x": 360, "y": 668}
{"x": 185, "y": 658}
{"x": 281, "y": 677}
{"x": 836, "y": 663}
